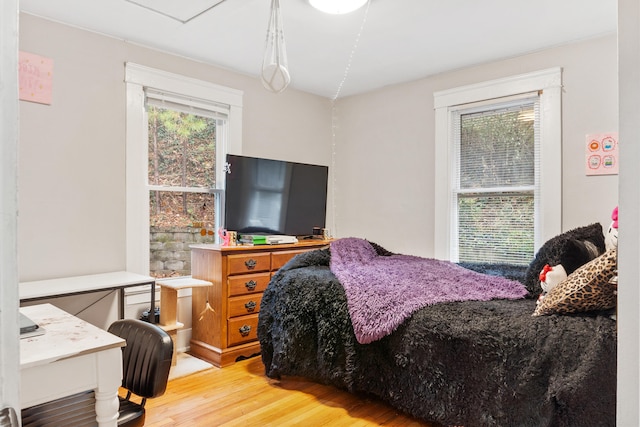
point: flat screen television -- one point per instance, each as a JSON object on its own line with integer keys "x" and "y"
{"x": 265, "y": 196}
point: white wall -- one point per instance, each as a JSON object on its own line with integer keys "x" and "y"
{"x": 9, "y": 350}
{"x": 385, "y": 149}
{"x": 71, "y": 167}
{"x": 72, "y": 153}
{"x": 628, "y": 411}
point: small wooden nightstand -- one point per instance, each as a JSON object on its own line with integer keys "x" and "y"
{"x": 169, "y": 305}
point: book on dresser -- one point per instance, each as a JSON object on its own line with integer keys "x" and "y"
{"x": 261, "y": 239}
{"x": 225, "y": 314}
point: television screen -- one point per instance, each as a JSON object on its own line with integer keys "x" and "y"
{"x": 264, "y": 196}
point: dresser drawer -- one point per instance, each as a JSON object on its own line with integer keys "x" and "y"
{"x": 243, "y": 329}
{"x": 241, "y": 275}
{"x": 248, "y": 283}
{"x": 280, "y": 258}
{"x": 247, "y": 304}
{"x": 248, "y": 263}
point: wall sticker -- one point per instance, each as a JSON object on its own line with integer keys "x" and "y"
{"x": 601, "y": 154}
{"x": 35, "y": 74}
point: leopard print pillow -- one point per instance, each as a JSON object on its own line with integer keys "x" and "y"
{"x": 586, "y": 289}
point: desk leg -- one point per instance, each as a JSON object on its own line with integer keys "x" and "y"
{"x": 109, "y": 378}
{"x": 152, "y": 309}
{"x": 121, "y": 302}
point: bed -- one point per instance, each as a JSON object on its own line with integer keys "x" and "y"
{"x": 463, "y": 363}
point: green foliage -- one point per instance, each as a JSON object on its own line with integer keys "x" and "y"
{"x": 496, "y": 228}
{"x": 181, "y": 149}
{"x": 181, "y": 153}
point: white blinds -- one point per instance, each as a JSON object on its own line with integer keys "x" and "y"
{"x": 198, "y": 107}
{"x": 496, "y": 181}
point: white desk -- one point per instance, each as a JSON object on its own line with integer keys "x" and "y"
{"x": 70, "y": 357}
{"x": 66, "y": 286}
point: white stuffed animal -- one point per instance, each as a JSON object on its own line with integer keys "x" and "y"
{"x": 611, "y": 238}
{"x": 610, "y": 242}
{"x": 550, "y": 277}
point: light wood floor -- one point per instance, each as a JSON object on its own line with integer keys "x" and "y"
{"x": 241, "y": 395}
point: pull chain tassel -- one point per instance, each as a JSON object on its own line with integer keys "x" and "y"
{"x": 275, "y": 70}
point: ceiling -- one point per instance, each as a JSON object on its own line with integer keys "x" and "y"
{"x": 384, "y": 43}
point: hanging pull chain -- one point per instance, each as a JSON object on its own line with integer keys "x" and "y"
{"x": 275, "y": 70}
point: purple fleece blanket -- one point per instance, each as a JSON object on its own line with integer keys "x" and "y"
{"x": 382, "y": 291}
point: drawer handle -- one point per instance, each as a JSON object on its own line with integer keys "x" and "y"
{"x": 245, "y": 330}
{"x": 251, "y": 285}
{"x": 250, "y": 306}
{"x": 250, "y": 263}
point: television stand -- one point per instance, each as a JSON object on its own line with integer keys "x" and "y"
{"x": 225, "y": 314}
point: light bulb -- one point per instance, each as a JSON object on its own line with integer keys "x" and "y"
{"x": 337, "y": 7}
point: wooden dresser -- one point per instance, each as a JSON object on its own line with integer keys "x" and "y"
{"x": 225, "y": 315}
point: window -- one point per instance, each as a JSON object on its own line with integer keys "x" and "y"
{"x": 498, "y": 165}
{"x": 494, "y": 182}
{"x": 178, "y": 133}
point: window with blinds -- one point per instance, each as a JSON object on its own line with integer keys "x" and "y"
{"x": 178, "y": 132}
{"x": 495, "y": 189}
{"x": 184, "y": 198}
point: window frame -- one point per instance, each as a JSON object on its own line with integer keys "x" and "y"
{"x": 137, "y": 79}
{"x": 548, "y": 83}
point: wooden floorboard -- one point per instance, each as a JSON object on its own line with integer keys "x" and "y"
{"x": 241, "y": 395}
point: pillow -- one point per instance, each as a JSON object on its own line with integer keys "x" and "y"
{"x": 586, "y": 289}
{"x": 554, "y": 252}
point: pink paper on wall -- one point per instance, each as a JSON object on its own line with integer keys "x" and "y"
{"x": 35, "y": 75}
{"x": 601, "y": 154}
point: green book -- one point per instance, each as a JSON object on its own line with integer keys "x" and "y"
{"x": 259, "y": 239}
{"x": 256, "y": 239}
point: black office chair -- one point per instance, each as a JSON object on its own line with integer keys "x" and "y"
{"x": 145, "y": 369}
{"x": 8, "y": 417}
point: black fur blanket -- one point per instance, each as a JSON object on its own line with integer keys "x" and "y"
{"x": 467, "y": 363}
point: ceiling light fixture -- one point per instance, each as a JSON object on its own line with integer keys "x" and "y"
{"x": 275, "y": 70}
{"x": 337, "y": 7}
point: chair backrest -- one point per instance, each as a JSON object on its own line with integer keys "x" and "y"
{"x": 8, "y": 417}
{"x": 146, "y": 357}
